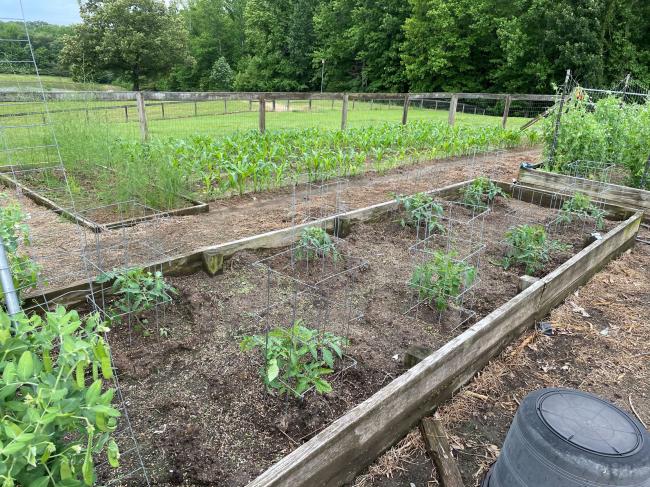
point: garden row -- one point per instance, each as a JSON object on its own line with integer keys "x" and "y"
{"x": 162, "y": 173}
{"x": 57, "y": 372}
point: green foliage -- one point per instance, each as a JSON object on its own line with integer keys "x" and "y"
{"x": 296, "y": 358}
{"x": 482, "y": 192}
{"x": 134, "y": 38}
{"x": 442, "y": 279}
{"x": 221, "y": 76}
{"x": 315, "y": 242}
{"x": 528, "y": 245}
{"x": 607, "y": 131}
{"x": 14, "y": 232}
{"x": 139, "y": 290}
{"x": 57, "y": 414}
{"x": 420, "y": 210}
{"x": 581, "y": 207}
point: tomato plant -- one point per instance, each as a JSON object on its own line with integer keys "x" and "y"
{"x": 296, "y": 358}
{"x": 139, "y": 290}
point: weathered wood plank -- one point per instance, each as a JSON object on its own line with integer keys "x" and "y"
{"x": 437, "y": 446}
{"x": 612, "y": 194}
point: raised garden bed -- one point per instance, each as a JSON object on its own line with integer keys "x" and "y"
{"x": 47, "y": 186}
{"x": 195, "y": 397}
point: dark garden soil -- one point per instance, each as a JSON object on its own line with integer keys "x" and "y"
{"x": 197, "y": 404}
{"x": 599, "y": 345}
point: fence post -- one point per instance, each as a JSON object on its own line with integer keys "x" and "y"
{"x": 142, "y": 116}
{"x": 556, "y": 130}
{"x": 452, "y": 109}
{"x": 162, "y": 109}
{"x": 250, "y": 105}
{"x": 310, "y": 104}
{"x": 344, "y": 113}
{"x": 225, "y": 105}
{"x": 196, "y": 110}
{"x": 506, "y": 111}
{"x": 405, "y": 112}
{"x": 273, "y": 107}
{"x": 263, "y": 114}
{"x": 126, "y": 113}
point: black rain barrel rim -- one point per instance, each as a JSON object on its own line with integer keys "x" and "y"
{"x": 633, "y": 427}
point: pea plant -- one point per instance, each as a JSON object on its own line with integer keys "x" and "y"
{"x": 139, "y": 290}
{"x": 442, "y": 279}
{"x": 15, "y": 232}
{"x": 420, "y": 210}
{"x": 296, "y": 358}
{"x": 316, "y": 242}
{"x": 482, "y": 192}
{"x": 580, "y": 207}
{"x": 529, "y": 246}
{"x": 57, "y": 413}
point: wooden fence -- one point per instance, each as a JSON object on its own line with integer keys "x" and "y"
{"x": 144, "y": 98}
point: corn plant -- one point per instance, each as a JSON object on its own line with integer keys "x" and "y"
{"x": 296, "y": 358}
{"x": 529, "y": 246}
{"x": 139, "y": 290}
{"x": 315, "y": 242}
{"x": 420, "y": 210}
{"x": 580, "y": 207}
{"x": 442, "y": 279}
{"x": 482, "y": 192}
{"x": 57, "y": 415}
{"x": 15, "y": 232}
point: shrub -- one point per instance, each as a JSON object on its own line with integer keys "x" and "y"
{"x": 581, "y": 207}
{"x": 529, "y": 246}
{"x": 420, "y": 210}
{"x": 481, "y": 191}
{"x": 315, "y": 242}
{"x": 442, "y": 279}
{"x": 139, "y": 290}
{"x": 296, "y": 358}
{"x": 54, "y": 423}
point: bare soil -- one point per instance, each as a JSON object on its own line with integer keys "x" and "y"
{"x": 63, "y": 248}
{"x": 197, "y": 404}
{"x": 599, "y": 345}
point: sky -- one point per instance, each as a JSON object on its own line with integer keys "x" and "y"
{"x": 62, "y": 12}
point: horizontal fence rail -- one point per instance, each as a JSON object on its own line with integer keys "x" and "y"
{"x": 232, "y": 111}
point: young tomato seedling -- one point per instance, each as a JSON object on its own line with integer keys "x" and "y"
{"x": 296, "y": 358}
{"x": 315, "y": 242}
{"x": 528, "y": 245}
{"x": 441, "y": 280}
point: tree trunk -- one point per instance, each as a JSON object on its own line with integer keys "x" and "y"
{"x": 135, "y": 79}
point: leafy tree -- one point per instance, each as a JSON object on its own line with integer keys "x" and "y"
{"x": 221, "y": 75}
{"x": 137, "y": 39}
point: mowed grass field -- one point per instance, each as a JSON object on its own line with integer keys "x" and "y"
{"x": 23, "y": 120}
{"x": 29, "y": 82}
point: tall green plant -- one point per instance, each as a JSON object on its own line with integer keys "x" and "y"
{"x": 529, "y": 246}
{"x": 57, "y": 413}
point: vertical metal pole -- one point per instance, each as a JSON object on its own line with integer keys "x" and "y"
{"x": 7, "y": 282}
{"x": 322, "y": 74}
{"x": 556, "y": 132}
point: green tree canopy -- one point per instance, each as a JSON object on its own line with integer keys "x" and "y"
{"x": 136, "y": 39}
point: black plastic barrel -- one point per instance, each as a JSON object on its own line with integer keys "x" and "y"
{"x": 568, "y": 438}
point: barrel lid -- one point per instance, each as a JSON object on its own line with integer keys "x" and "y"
{"x": 589, "y": 423}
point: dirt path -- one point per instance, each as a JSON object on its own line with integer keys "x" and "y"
{"x": 67, "y": 252}
{"x": 599, "y": 345}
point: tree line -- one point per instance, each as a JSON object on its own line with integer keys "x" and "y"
{"x": 358, "y": 45}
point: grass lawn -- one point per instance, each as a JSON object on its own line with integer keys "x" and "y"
{"x": 29, "y": 82}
